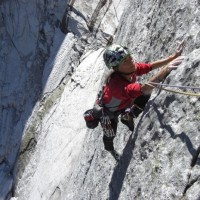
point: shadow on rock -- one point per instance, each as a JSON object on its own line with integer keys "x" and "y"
{"x": 120, "y": 170}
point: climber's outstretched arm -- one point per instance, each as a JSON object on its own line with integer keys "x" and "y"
{"x": 162, "y": 62}
{"x": 147, "y": 89}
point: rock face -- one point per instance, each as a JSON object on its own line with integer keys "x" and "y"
{"x": 42, "y": 44}
{"x": 51, "y": 70}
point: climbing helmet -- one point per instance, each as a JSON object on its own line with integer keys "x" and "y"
{"x": 114, "y": 55}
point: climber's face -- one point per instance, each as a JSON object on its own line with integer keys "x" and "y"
{"x": 127, "y": 66}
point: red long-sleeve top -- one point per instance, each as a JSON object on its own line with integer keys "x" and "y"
{"x": 119, "y": 92}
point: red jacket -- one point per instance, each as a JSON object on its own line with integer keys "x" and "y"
{"x": 119, "y": 92}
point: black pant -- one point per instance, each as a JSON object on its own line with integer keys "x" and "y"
{"x": 108, "y": 141}
{"x": 140, "y": 102}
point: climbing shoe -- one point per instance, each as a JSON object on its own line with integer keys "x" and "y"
{"x": 128, "y": 120}
{"x": 115, "y": 154}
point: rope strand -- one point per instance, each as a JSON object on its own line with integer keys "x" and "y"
{"x": 178, "y": 86}
{"x": 175, "y": 91}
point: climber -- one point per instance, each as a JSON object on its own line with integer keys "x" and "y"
{"x": 122, "y": 95}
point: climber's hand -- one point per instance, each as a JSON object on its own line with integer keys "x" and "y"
{"x": 175, "y": 63}
{"x": 179, "y": 49}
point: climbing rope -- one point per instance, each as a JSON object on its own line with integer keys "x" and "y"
{"x": 178, "y": 86}
{"x": 160, "y": 86}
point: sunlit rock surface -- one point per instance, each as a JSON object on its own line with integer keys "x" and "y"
{"x": 51, "y": 70}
